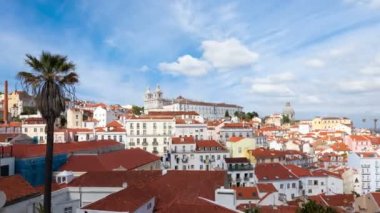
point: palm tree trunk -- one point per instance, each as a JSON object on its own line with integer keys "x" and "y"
{"x": 48, "y": 165}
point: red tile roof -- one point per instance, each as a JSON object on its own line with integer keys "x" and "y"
{"x": 122, "y": 201}
{"x": 34, "y": 121}
{"x": 359, "y": 137}
{"x": 38, "y": 150}
{"x": 183, "y": 140}
{"x": 246, "y": 193}
{"x": 183, "y": 121}
{"x": 338, "y": 200}
{"x": 273, "y": 171}
{"x": 298, "y": 171}
{"x": 115, "y": 178}
{"x": 266, "y": 187}
{"x": 16, "y": 189}
{"x": 340, "y": 147}
{"x": 262, "y": 153}
{"x": 235, "y": 139}
{"x": 173, "y": 191}
{"x": 324, "y": 173}
{"x": 376, "y": 197}
{"x": 128, "y": 159}
{"x": 115, "y": 124}
{"x": 202, "y": 144}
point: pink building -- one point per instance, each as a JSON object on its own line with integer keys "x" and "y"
{"x": 358, "y": 143}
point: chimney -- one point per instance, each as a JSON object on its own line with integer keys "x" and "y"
{"x": 5, "y": 106}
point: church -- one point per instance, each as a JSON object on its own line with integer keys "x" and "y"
{"x": 154, "y": 101}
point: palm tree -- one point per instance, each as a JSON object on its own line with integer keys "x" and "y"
{"x": 51, "y": 81}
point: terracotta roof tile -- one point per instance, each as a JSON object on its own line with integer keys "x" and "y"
{"x": 183, "y": 140}
{"x": 16, "y": 188}
{"x": 127, "y": 159}
{"x": 273, "y": 171}
{"x": 37, "y": 150}
{"x": 115, "y": 178}
{"x": 122, "y": 201}
{"x": 246, "y": 193}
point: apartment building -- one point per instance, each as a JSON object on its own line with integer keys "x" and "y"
{"x": 186, "y": 153}
{"x": 368, "y": 166}
{"x": 150, "y": 133}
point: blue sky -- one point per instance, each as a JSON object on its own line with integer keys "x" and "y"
{"x": 323, "y": 56}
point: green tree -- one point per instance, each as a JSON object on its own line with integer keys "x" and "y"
{"x": 136, "y": 110}
{"x": 285, "y": 119}
{"x": 312, "y": 207}
{"x": 27, "y": 110}
{"x": 226, "y": 114}
{"x": 51, "y": 80}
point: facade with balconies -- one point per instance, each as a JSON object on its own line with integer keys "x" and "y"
{"x": 152, "y": 134}
{"x": 368, "y": 166}
{"x": 186, "y": 153}
{"x": 240, "y": 172}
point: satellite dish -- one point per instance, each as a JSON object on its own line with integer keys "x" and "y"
{"x": 3, "y": 199}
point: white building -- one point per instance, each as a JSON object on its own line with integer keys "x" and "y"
{"x": 34, "y": 128}
{"x": 150, "y": 133}
{"x": 74, "y": 118}
{"x": 240, "y": 172}
{"x": 226, "y": 130}
{"x": 103, "y": 116}
{"x": 154, "y": 101}
{"x": 188, "y": 154}
{"x": 368, "y": 166}
{"x": 190, "y": 127}
{"x": 292, "y": 181}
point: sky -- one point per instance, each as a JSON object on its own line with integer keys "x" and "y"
{"x": 323, "y": 56}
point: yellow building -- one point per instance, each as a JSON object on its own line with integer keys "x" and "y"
{"x": 329, "y": 123}
{"x": 239, "y": 146}
{"x": 74, "y": 118}
{"x": 17, "y": 100}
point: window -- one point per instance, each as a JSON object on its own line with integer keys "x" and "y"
{"x": 310, "y": 182}
{"x": 293, "y": 185}
{"x": 239, "y": 150}
{"x": 288, "y": 185}
{"x": 310, "y": 191}
{"x": 149, "y": 206}
{"x": 35, "y": 129}
{"x": 68, "y": 209}
{"x": 281, "y": 186}
{"x": 315, "y": 182}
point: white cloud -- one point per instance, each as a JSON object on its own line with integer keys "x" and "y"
{"x": 360, "y": 86}
{"x": 374, "y": 4}
{"x": 186, "y": 65}
{"x": 315, "y": 63}
{"x": 373, "y": 68}
{"x": 277, "y": 90}
{"x": 273, "y": 85}
{"x": 310, "y": 99}
{"x": 228, "y": 54}
{"x": 144, "y": 68}
{"x": 220, "y": 55}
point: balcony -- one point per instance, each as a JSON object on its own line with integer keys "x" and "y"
{"x": 131, "y": 144}
{"x": 185, "y": 159}
{"x": 240, "y": 167}
{"x": 145, "y": 144}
